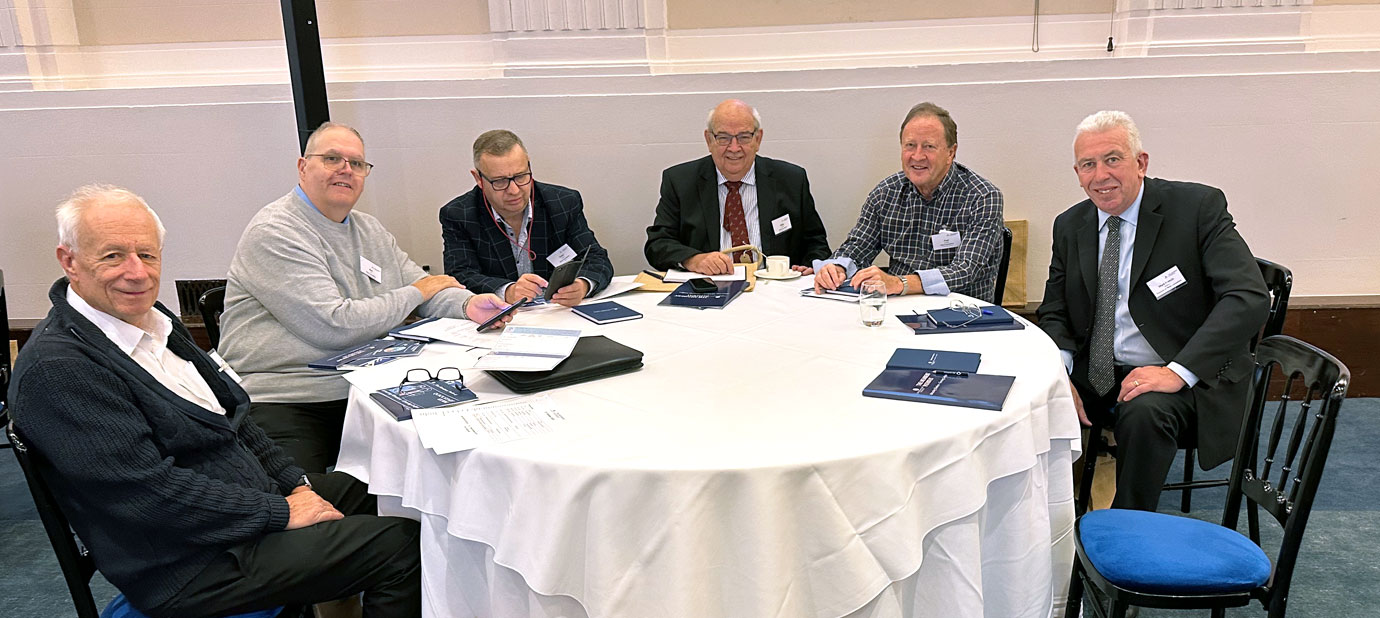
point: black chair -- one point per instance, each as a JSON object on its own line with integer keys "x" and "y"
{"x": 1004, "y": 266}
{"x": 1278, "y": 281}
{"x": 5, "y": 359}
{"x": 1138, "y": 558}
{"x": 74, "y": 559}
{"x": 211, "y": 305}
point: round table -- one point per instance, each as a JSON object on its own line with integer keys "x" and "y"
{"x": 742, "y": 473}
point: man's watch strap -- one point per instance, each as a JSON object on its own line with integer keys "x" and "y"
{"x": 305, "y": 481}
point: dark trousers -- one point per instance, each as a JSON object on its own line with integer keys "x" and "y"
{"x": 362, "y": 553}
{"x": 307, "y": 432}
{"x": 1149, "y": 430}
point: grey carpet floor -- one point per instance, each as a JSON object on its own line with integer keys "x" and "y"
{"x": 1338, "y": 575}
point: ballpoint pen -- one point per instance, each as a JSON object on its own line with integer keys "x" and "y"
{"x": 659, "y": 276}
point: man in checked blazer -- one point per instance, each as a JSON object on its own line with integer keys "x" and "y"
{"x": 773, "y": 208}
{"x": 509, "y": 233}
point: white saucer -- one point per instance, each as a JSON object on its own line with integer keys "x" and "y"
{"x": 762, "y": 274}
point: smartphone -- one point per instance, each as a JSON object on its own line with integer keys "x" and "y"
{"x": 702, "y": 285}
{"x": 511, "y": 308}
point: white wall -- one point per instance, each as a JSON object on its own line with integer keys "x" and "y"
{"x": 1289, "y": 136}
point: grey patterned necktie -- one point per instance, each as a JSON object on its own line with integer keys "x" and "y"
{"x": 1104, "y": 321}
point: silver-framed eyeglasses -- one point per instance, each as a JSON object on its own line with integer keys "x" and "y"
{"x": 501, "y": 184}
{"x": 970, "y": 311}
{"x": 724, "y": 139}
{"x": 333, "y": 162}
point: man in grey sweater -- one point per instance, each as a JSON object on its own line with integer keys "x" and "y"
{"x": 312, "y": 277}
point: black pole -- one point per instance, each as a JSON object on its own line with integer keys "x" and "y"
{"x": 303, "y": 37}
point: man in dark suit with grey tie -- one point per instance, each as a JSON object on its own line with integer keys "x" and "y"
{"x": 731, "y": 198}
{"x": 1153, "y": 298}
{"x": 508, "y": 234}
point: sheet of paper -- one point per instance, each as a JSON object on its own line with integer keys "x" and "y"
{"x": 681, "y": 276}
{"x": 529, "y": 348}
{"x": 433, "y": 358}
{"x": 459, "y": 428}
{"x": 454, "y": 330}
{"x": 615, "y": 288}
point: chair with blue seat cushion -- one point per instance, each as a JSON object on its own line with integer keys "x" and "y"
{"x": 119, "y": 607}
{"x": 1133, "y": 558}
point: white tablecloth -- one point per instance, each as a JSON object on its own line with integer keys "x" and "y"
{"x": 741, "y": 473}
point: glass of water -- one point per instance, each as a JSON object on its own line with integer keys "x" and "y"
{"x": 872, "y": 302}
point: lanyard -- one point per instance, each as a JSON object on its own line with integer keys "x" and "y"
{"x": 531, "y": 255}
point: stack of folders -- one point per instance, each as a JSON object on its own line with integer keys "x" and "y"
{"x": 956, "y": 321}
{"x": 606, "y": 312}
{"x": 376, "y": 352}
{"x": 400, "y": 401}
{"x": 941, "y": 377}
{"x": 684, "y": 296}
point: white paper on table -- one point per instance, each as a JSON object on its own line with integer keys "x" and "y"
{"x": 530, "y": 348}
{"x": 459, "y": 428}
{"x": 681, "y": 276}
{"x": 453, "y": 330}
{"x": 433, "y": 357}
{"x": 615, "y": 288}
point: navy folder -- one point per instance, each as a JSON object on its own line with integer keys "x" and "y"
{"x": 606, "y": 312}
{"x": 976, "y": 390}
{"x": 923, "y": 325}
{"x": 911, "y": 358}
{"x": 684, "y": 296}
{"x": 990, "y": 315}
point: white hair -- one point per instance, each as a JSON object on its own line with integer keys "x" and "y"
{"x": 756, "y": 117}
{"x": 1107, "y": 120}
{"x": 70, "y": 211}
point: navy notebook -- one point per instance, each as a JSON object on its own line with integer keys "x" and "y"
{"x": 375, "y": 352}
{"x": 911, "y": 358}
{"x": 606, "y": 312}
{"x": 986, "y": 392}
{"x": 923, "y": 325}
{"x": 954, "y": 317}
{"x": 683, "y": 296}
{"x": 400, "y": 401}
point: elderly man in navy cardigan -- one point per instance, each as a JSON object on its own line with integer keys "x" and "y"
{"x": 188, "y": 508}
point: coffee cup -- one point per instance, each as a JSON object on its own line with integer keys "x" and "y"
{"x": 778, "y": 265}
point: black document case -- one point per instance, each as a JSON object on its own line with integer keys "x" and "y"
{"x": 593, "y": 358}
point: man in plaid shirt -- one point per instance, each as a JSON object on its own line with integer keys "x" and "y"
{"x": 940, "y": 223}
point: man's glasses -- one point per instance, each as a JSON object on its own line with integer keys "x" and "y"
{"x": 724, "y": 139}
{"x": 449, "y": 375}
{"x": 969, "y": 311}
{"x": 334, "y": 162}
{"x": 501, "y": 184}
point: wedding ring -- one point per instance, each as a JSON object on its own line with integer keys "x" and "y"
{"x": 1137, "y": 382}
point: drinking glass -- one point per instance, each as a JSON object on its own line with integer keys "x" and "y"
{"x": 872, "y": 302}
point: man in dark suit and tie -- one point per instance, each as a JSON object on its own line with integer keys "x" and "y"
{"x": 731, "y": 198}
{"x": 509, "y": 233}
{"x": 1153, "y": 297}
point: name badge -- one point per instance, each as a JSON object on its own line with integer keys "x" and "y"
{"x": 1166, "y": 282}
{"x": 561, "y": 256}
{"x": 946, "y": 240}
{"x": 781, "y": 224}
{"x": 370, "y": 269}
{"x": 225, "y": 367}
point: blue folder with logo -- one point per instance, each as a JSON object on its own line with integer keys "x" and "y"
{"x": 974, "y": 390}
{"x": 684, "y": 296}
{"x": 944, "y": 360}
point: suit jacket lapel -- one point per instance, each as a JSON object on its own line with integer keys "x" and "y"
{"x": 709, "y": 202}
{"x": 1147, "y": 229}
{"x": 1086, "y": 239}
{"x": 767, "y": 209}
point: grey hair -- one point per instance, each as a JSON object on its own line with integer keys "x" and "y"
{"x": 70, "y": 211}
{"x": 1106, "y": 120}
{"x": 326, "y": 126}
{"x": 756, "y": 118}
{"x": 939, "y": 113}
{"x": 496, "y": 143}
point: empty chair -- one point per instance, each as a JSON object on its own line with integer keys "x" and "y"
{"x": 1004, "y": 266}
{"x": 211, "y": 305}
{"x": 1137, "y": 558}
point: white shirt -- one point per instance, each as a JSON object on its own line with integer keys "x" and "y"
{"x": 749, "y": 192}
{"x": 150, "y": 351}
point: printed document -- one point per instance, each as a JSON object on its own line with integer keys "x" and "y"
{"x": 447, "y": 430}
{"x": 452, "y": 330}
{"x": 529, "y": 348}
{"x": 681, "y": 276}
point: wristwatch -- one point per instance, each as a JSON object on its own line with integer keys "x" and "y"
{"x": 305, "y": 481}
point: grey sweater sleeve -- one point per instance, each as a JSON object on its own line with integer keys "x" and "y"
{"x": 288, "y": 273}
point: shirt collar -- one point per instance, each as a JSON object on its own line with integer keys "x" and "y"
{"x": 124, "y": 335}
{"x": 526, "y": 214}
{"x": 1131, "y": 215}
{"x": 748, "y": 179}
{"x": 303, "y": 194}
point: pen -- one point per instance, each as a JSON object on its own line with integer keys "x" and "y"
{"x": 946, "y": 372}
{"x": 659, "y": 276}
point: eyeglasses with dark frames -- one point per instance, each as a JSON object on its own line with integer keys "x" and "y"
{"x": 333, "y": 162}
{"x": 501, "y": 184}
{"x": 449, "y": 375}
{"x": 724, "y": 139}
